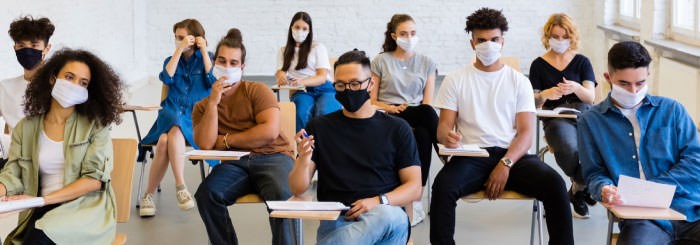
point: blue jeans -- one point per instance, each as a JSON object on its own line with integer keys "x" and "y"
{"x": 649, "y": 232}
{"x": 265, "y": 175}
{"x": 382, "y": 225}
{"x": 315, "y": 101}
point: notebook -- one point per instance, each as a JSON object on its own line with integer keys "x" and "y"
{"x": 209, "y": 153}
{"x": 471, "y": 150}
{"x": 306, "y": 206}
{"x": 558, "y": 111}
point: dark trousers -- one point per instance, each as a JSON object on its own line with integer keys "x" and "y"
{"x": 643, "y": 232}
{"x": 424, "y": 121}
{"x": 561, "y": 137}
{"x": 32, "y": 235}
{"x": 266, "y": 175}
{"x": 529, "y": 176}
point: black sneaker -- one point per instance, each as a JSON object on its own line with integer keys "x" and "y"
{"x": 579, "y": 204}
{"x": 589, "y": 199}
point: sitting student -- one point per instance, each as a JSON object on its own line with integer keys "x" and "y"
{"x": 305, "y": 62}
{"x": 492, "y": 105}
{"x": 31, "y": 37}
{"x": 405, "y": 83}
{"x": 62, "y": 152}
{"x": 564, "y": 78}
{"x": 639, "y": 135}
{"x": 365, "y": 159}
{"x": 240, "y": 115}
{"x": 187, "y": 73}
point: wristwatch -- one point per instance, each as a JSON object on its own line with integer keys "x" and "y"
{"x": 383, "y": 199}
{"x": 506, "y": 161}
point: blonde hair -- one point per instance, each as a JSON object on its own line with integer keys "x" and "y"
{"x": 564, "y": 21}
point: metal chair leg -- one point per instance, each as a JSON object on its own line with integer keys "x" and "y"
{"x": 539, "y": 221}
{"x": 534, "y": 220}
{"x": 610, "y": 228}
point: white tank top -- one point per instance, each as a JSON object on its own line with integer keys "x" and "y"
{"x": 51, "y": 164}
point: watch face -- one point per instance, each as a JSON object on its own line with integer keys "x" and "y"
{"x": 507, "y": 162}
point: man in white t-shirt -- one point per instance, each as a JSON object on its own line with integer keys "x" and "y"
{"x": 492, "y": 105}
{"x": 31, "y": 38}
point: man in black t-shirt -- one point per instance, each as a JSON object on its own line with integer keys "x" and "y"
{"x": 365, "y": 159}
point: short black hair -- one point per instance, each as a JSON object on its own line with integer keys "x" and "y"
{"x": 28, "y": 28}
{"x": 353, "y": 57}
{"x": 628, "y": 54}
{"x": 486, "y": 19}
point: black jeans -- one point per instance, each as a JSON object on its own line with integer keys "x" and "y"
{"x": 424, "y": 121}
{"x": 561, "y": 137}
{"x": 529, "y": 176}
{"x": 32, "y": 235}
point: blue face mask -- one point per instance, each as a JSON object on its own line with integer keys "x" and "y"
{"x": 28, "y": 57}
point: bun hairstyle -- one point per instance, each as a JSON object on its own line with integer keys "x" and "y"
{"x": 233, "y": 39}
{"x": 396, "y": 20}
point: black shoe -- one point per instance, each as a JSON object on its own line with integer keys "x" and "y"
{"x": 579, "y": 204}
{"x": 589, "y": 199}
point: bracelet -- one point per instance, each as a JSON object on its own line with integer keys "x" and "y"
{"x": 226, "y": 142}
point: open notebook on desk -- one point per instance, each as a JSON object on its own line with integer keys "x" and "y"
{"x": 306, "y": 206}
{"x": 469, "y": 150}
{"x": 17, "y": 205}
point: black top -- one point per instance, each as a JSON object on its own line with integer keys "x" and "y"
{"x": 360, "y": 158}
{"x": 544, "y": 76}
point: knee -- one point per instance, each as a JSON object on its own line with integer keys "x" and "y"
{"x": 162, "y": 145}
{"x": 175, "y": 131}
{"x": 205, "y": 195}
{"x": 391, "y": 216}
{"x": 444, "y": 189}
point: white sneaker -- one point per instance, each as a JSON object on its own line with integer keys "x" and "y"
{"x": 147, "y": 206}
{"x": 418, "y": 213}
{"x": 184, "y": 200}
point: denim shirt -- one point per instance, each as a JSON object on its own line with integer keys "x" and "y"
{"x": 669, "y": 149}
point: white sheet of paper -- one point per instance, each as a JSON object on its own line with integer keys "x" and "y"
{"x": 10, "y": 206}
{"x": 642, "y": 193}
{"x": 217, "y": 153}
{"x": 306, "y": 206}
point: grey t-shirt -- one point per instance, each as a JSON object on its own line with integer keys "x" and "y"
{"x": 402, "y": 81}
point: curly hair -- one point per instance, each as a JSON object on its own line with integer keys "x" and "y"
{"x": 566, "y": 23}
{"x": 104, "y": 101}
{"x": 486, "y": 19}
{"x": 389, "y": 43}
{"x": 28, "y": 28}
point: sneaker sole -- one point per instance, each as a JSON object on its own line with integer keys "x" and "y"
{"x": 578, "y": 216}
{"x": 147, "y": 212}
{"x": 186, "y": 206}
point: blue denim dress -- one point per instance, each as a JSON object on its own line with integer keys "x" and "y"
{"x": 190, "y": 84}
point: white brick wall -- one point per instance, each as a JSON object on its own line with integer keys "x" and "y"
{"x": 135, "y": 36}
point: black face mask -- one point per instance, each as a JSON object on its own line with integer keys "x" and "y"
{"x": 352, "y": 100}
{"x": 28, "y": 57}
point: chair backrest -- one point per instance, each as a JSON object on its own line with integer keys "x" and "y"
{"x": 332, "y": 62}
{"x": 124, "y": 159}
{"x": 288, "y": 123}
{"x": 512, "y": 61}
{"x": 163, "y": 92}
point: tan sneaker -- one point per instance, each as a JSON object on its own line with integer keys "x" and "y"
{"x": 184, "y": 200}
{"x": 147, "y": 206}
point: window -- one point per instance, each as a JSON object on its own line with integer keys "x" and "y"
{"x": 629, "y": 12}
{"x": 684, "y": 21}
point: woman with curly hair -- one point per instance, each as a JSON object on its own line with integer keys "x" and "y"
{"x": 62, "y": 152}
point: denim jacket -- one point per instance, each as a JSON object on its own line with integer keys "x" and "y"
{"x": 669, "y": 149}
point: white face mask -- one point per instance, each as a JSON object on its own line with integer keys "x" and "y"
{"x": 627, "y": 99}
{"x": 299, "y": 35}
{"x": 407, "y": 44}
{"x": 488, "y": 52}
{"x": 69, "y": 94}
{"x": 559, "y": 46}
{"x": 233, "y": 74}
{"x": 177, "y": 44}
